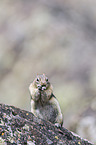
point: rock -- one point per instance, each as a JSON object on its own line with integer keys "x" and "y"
{"x": 22, "y": 127}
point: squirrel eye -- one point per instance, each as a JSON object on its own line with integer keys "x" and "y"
{"x": 37, "y": 79}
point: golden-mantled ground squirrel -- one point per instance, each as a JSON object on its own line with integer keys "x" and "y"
{"x": 43, "y": 103}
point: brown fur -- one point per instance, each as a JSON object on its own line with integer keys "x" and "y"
{"x": 43, "y": 103}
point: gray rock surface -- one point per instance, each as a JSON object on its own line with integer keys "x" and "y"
{"x": 22, "y": 127}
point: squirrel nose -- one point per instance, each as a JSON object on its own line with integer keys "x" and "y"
{"x": 42, "y": 87}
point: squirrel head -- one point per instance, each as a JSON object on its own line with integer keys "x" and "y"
{"x": 41, "y": 82}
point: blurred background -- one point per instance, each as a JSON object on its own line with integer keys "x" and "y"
{"x": 58, "y": 38}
